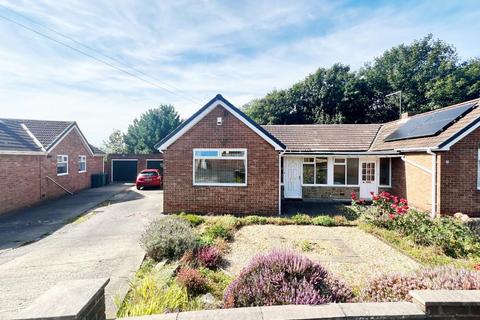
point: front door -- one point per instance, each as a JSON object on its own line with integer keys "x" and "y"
{"x": 292, "y": 177}
{"x": 368, "y": 181}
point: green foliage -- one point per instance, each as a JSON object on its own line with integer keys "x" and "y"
{"x": 254, "y": 220}
{"x": 150, "y": 128}
{"x": 217, "y": 281}
{"x": 193, "y": 280}
{"x": 219, "y": 231}
{"x": 306, "y": 246}
{"x": 193, "y": 219}
{"x": 301, "y": 219}
{"x": 168, "y": 238}
{"x": 427, "y": 71}
{"x": 323, "y": 221}
{"x": 115, "y": 142}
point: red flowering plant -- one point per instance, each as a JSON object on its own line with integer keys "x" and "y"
{"x": 385, "y": 209}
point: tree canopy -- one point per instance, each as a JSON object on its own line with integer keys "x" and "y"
{"x": 427, "y": 71}
{"x": 151, "y": 127}
{"x": 115, "y": 142}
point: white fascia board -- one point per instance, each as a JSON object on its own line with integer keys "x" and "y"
{"x": 197, "y": 119}
{"x": 24, "y": 153}
{"x": 460, "y": 137}
{"x": 84, "y": 141}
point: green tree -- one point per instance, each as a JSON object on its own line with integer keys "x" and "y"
{"x": 150, "y": 128}
{"x": 115, "y": 142}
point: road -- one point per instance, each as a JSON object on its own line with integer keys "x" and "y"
{"x": 102, "y": 244}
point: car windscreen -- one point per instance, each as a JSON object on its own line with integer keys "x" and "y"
{"x": 149, "y": 174}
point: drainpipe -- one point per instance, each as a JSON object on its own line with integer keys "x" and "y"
{"x": 434, "y": 182}
{"x": 280, "y": 182}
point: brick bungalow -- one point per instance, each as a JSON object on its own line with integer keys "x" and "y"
{"x": 42, "y": 160}
{"x": 221, "y": 161}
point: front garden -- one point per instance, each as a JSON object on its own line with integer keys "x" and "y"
{"x": 203, "y": 262}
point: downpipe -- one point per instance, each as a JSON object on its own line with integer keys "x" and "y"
{"x": 280, "y": 182}
{"x": 434, "y": 182}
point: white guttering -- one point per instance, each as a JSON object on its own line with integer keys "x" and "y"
{"x": 280, "y": 154}
{"x": 434, "y": 182}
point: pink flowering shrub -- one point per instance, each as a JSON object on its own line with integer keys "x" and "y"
{"x": 209, "y": 257}
{"x": 385, "y": 208}
{"x": 395, "y": 287}
{"x": 193, "y": 280}
{"x": 282, "y": 278}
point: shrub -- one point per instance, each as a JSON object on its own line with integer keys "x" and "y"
{"x": 395, "y": 287}
{"x": 209, "y": 257}
{"x": 217, "y": 281}
{"x": 254, "y": 220}
{"x": 323, "y": 221}
{"x": 222, "y": 245}
{"x": 284, "y": 278}
{"x": 193, "y": 219}
{"x": 385, "y": 208}
{"x": 279, "y": 221}
{"x": 306, "y": 246}
{"x": 168, "y": 238}
{"x": 340, "y": 220}
{"x": 193, "y": 280}
{"x": 301, "y": 219}
{"x": 219, "y": 231}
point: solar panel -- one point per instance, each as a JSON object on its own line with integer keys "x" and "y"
{"x": 429, "y": 124}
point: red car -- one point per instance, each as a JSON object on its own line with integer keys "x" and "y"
{"x": 149, "y": 178}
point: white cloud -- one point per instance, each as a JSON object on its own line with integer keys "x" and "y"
{"x": 242, "y": 50}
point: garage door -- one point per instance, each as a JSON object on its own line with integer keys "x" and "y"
{"x": 155, "y": 164}
{"x": 124, "y": 170}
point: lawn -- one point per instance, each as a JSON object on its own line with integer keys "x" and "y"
{"x": 203, "y": 262}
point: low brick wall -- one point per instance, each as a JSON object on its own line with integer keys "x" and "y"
{"x": 336, "y": 193}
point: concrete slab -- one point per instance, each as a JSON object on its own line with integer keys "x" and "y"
{"x": 305, "y": 312}
{"x": 103, "y": 245}
{"x": 383, "y": 310}
{"x": 253, "y": 313}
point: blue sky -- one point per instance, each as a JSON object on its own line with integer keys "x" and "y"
{"x": 198, "y": 49}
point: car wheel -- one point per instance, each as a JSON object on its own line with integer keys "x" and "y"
{"x": 138, "y": 187}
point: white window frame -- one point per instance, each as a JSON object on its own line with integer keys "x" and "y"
{"x": 64, "y": 158}
{"x": 345, "y": 165}
{"x": 315, "y": 171}
{"x": 82, "y": 159}
{"x": 219, "y": 184}
{"x": 389, "y": 174}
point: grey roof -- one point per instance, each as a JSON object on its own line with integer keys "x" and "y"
{"x": 325, "y": 137}
{"x": 96, "y": 150}
{"x": 14, "y": 137}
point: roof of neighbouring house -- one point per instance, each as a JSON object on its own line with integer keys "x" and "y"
{"x": 24, "y": 135}
{"x": 325, "y": 137}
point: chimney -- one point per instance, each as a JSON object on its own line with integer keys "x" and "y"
{"x": 404, "y": 115}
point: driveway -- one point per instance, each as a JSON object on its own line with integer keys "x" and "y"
{"x": 103, "y": 243}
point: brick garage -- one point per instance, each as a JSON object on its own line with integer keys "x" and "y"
{"x": 142, "y": 161}
{"x": 27, "y": 167}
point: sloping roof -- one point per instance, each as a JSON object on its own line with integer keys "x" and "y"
{"x": 218, "y": 100}
{"x": 426, "y": 142}
{"x": 95, "y": 149}
{"x": 14, "y": 138}
{"x": 325, "y": 137}
{"x": 25, "y": 135}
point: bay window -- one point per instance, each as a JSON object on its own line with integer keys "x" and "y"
{"x": 315, "y": 170}
{"x": 345, "y": 171}
{"x": 220, "y": 167}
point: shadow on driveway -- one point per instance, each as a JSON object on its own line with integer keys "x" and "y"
{"x": 24, "y": 226}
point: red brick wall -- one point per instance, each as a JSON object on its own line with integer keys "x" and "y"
{"x": 20, "y": 181}
{"x": 259, "y": 196}
{"x": 75, "y": 181}
{"x": 23, "y": 178}
{"x": 141, "y": 163}
{"x": 458, "y": 182}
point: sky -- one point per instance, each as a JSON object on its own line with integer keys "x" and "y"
{"x": 188, "y": 51}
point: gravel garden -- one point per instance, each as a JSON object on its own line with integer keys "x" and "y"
{"x": 375, "y": 252}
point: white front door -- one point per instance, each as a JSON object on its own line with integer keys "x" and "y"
{"x": 292, "y": 177}
{"x": 368, "y": 181}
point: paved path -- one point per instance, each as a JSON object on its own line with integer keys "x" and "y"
{"x": 30, "y": 224}
{"x": 103, "y": 243}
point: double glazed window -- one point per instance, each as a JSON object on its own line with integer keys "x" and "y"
{"x": 345, "y": 171}
{"x": 62, "y": 165}
{"x": 220, "y": 167}
{"x": 82, "y": 163}
{"x": 315, "y": 170}
{"x": 385, "y": 169}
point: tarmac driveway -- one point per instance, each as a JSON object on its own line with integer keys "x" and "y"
{"x": 100, "y": 244}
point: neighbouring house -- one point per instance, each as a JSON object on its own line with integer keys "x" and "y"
{"x": 221, "y": 161}
{"x": 125, "y": 167}
{"x": 42, "y": 160}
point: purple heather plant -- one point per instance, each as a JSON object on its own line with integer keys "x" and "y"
{"x": 209, "y": 256}
{"x": 284, "y": 278}
{"x": 395, "y": 287}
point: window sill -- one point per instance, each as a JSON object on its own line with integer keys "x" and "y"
{"x": 332, "y": 185}
{"x": 82, "y": 171}
{"x": 219, "y": 185}
{"x": 62, "y": 174}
